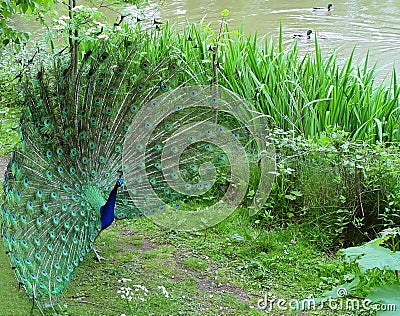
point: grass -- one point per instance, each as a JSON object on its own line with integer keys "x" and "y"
{"x": 224, "y": 270}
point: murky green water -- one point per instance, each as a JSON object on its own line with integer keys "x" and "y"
{"x": 372, "y": 26}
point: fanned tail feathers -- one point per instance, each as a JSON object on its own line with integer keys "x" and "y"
{"x": 72, "y": 137}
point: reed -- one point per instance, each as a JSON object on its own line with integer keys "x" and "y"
{"x": 309, "y": 94}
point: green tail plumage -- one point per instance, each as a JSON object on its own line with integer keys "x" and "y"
{"x": 72, "y": 136}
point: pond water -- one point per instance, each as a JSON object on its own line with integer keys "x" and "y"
{"x": 368, "y": 25}
{"x": 372, "y": 26}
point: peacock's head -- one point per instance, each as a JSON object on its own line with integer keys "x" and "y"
{"x": 330, "y": 5}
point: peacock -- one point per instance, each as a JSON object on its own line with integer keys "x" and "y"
{"x": 125, "y": 134}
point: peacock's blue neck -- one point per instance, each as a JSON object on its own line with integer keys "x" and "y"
{"x": 97, "y": 201}
{"x": 107, "y": 210}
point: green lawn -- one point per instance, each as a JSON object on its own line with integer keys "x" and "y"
{"x": 224, "y": 270}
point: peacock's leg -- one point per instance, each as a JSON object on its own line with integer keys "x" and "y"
{"x": 97, "y": 256}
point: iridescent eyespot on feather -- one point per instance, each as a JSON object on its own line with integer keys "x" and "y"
{"x": 174, "y": 67}
{"x": 104, "y": 133}
{"x": 133, "y": 109}
{"x": 108, "y": 111}
{"x": 65, "y": 111}
{"x": 101, "y": 80}
{"x": 97, "y": 101}
{"x": 104, "y": 55}
{"x": 164, "y": 86}
{"x": 140, "y": 87}
{"x": 145, "y": 64}
{"x": 120, "y": 69}
{"x": 93, "y": 122}
{"x": 111, "y": 90}
{"x": 73, "y": 152}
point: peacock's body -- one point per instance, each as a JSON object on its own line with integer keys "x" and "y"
{"x": 82, "y": 130}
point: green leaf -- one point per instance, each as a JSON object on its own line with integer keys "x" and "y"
{"x": 290, "y": 197}
{"x": 371, "y": 255}
{"x": 342, "y": 290}
{"x": 389, "y": 296}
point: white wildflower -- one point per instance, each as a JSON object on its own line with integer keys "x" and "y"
{"x": 78, "y": 7}
{"x": 103, "y": 36}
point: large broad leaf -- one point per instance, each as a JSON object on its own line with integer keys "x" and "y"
{"x": 340, "y": 291}
{"x": 389, "y": 298}
{"x": 372, "y": 255}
